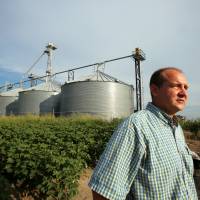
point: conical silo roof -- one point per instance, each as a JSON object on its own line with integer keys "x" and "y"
{"x": 14, "y": 92}
{"x": 46, "y": 86}
{"x": 100, "y": 76}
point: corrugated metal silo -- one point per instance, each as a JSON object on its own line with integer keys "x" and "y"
{"x": 39, "y": 100}
{"x": 103, "y": 98}
{"x": 8, "y": 105}
{"x": 9, "y": 102}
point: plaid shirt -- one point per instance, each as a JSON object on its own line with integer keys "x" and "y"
{"x": 146, "y": 158}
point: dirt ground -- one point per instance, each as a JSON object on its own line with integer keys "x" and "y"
{"x": 194, "y": 145}
{"x": 84, "y": 192}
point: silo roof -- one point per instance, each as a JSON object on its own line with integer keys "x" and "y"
{"x": 47, "y": 86}
{"x": 14, "y": 92}
{"x": 101, "y": 76}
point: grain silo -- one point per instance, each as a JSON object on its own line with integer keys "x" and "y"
{"x": 100, "y": 95}
{"x": 9, "y": 102}
{"x": 40, "y": 99}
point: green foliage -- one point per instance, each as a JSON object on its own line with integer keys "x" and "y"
{"x": 47, "y": 154}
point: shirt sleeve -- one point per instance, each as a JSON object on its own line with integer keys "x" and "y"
{"x": 119, "y": 163}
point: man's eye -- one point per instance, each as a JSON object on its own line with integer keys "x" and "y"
{"x": 175, "y": 85}
{"x": 186, "y": 87}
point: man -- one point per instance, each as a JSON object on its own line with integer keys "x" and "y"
{"x": 147, "y": 157}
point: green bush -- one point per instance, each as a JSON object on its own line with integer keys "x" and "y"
{"x": 46, "y": 154}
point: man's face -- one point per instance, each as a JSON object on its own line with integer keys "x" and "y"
{"x": 172, "y": 95}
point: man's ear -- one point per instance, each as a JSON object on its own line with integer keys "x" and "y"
{"x": 154, "y": 89}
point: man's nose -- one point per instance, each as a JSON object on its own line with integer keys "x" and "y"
{"x": 183, "y": 91}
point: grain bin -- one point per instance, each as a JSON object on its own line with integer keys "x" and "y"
{"x": 39, "y": 100}
{"x": 9, "y": 102}
{"x": 108, "y": 97}
{"x": 8, "y": 105}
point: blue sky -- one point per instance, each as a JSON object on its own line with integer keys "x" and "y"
{"x": 92, "y": 31}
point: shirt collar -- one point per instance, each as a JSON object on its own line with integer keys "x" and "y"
{"x": 172, "y": 121}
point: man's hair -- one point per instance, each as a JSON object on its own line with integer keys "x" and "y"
{"x": 158, "y": 78}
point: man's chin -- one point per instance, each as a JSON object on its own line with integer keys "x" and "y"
{"x": 180, "y": 108}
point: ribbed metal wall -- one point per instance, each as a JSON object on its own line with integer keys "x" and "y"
{"x": 107, "y": 99}
{"x": 38, "y": 102}
{"x": 8, "y": 105}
